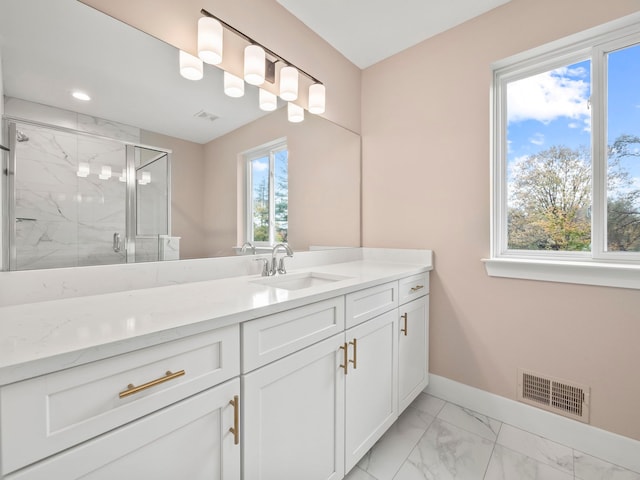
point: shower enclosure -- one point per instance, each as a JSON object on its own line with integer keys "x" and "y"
{"x": 74, "y": 199}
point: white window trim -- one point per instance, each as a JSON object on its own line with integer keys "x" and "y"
{"x": 268, "y": 149}
{"x": 592, "y": 268}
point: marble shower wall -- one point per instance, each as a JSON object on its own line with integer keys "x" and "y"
{"x": 64, "y": 220}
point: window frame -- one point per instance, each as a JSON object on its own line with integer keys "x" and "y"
{"x": 597, "y": 267}
{"x": 267, "y": 150}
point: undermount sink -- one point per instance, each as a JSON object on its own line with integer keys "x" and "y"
{"x": 298, "y": 281}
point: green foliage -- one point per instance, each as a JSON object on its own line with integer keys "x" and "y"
{"x": 550, "y": 200}
{"x": 551, "y": 196}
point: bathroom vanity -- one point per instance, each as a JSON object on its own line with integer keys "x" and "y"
{"x": 288, "y": 377}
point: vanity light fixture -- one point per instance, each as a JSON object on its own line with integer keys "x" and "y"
{"x": 288, "y": 83}
{"x": 210, "y": 40}
{"x": 233, "y": 86}
{"x": 190, "y": 67}
{"x": 81, "y": 96}
{"x": 254, "y": 65}
{"x": 268, "y": 100}
{"x": 317, "y": 98}
{"x": 295, "y": 113}
{"x": 258, "y": 69}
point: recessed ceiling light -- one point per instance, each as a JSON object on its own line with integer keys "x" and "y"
{"x": 81, "y": 96}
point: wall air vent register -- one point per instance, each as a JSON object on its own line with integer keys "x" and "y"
{"x": 555, "y": 395}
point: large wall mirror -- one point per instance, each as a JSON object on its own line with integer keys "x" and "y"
{"x": 153, "y": 166}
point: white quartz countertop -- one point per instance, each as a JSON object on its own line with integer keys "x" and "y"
{"x": 42, "y": 337}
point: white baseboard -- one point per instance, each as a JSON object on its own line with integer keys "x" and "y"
{"x": 611, "y": 447}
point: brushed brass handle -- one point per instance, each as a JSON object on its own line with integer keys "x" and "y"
{"x": 417, "y": 287}
{"x": 345, "y": 361}
{"x": 405, "y": 329}
{"x": 131, "y": 389}
{"x": 236, "y": 420}
{"x": 355, "y": 353}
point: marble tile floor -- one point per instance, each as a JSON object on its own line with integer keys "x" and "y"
{"x": 437, "y": 440}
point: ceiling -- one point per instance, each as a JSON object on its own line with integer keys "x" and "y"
{"x": 367, "y": 31}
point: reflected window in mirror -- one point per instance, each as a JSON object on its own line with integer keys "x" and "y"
{"x": 267, "y": 188}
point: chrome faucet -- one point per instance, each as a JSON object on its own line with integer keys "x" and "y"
{"x": 249, "y": 245}
{"x": 278, "y": 266}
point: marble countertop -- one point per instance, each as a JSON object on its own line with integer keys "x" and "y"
{"x": 39, "y": 338}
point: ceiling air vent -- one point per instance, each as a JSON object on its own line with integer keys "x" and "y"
{"x": 206, "y": 115}
{"x": 555, "y": 395}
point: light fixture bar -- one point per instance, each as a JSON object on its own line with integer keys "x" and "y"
{"x": 251, "y": 40}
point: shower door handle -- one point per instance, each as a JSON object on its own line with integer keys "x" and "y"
{"x": 116, "y": 242}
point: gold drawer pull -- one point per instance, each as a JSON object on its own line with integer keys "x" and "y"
{"x": 131, "y": 389}
{"x": 417, "y": 287}
{"x": 345, "y": 361}
{"x": 405, "y": 329}
{"x": 355, "y": 353}
{"x": 236, "y": 420}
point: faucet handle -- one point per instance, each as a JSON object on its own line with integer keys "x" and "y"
{"x": 265, "y": 266}
{"x": 281, "y": 268}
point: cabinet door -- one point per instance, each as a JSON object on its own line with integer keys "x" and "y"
{"x": 190, "y": 439}
{"x": 371, "y": 384}
{"x": 293, "y": 411}
{"x": 413, "y": 327}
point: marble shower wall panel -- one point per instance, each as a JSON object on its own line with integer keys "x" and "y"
{"x": 101, "y": 202}
{"x": 46, "y": 203}
{"x": 37, "y": 112}
{"x": 64, "y": 220}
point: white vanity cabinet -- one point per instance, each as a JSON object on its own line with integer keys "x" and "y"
{"x": 190, "y": 439}
{"x": 413, "y": 339}
{"x": 135, "y": 412}
{"x": 315, "y": 408}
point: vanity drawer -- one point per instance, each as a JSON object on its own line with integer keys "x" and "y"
{"x": 370, "y": 302}
{"x": 272, "y": 337}
{"x": 47, "y": 414}
{"x": 413, "y": 287}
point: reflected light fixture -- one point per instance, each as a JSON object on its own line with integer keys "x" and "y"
{"x": 145, "y": 178}
{"x": 83, "y": 170}
{"x": 317, "y": 98}
{"x": 233, "y": 86}
{"x": 268, "y": 100}
{"x": 105, "y": 172}
{"x": 288, "y": 83}
{"x": 190, "y": 67}
{"x": 295, "y": 113}
{"x": 210, "y": 40}
{"x": 254, "y": 65}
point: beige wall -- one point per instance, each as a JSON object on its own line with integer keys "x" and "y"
{"x": 267, "y": 22}
{"x": 187, "y": 191}
{"x": 324, "y": 182}
{"x": 425, "y": 126}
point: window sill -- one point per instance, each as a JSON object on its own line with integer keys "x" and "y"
{"x": 579, "y": 272}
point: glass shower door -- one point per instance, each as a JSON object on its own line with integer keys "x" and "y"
{"x": 68, "y": 199}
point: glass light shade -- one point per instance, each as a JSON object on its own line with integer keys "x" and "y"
{"x": 233, "y": 86}
{"x": 123, "y": 175}
{"x": 254, "y": 65}
{"x": 289, "y": 83}
{"x": 210, "y": 40}
{"x": 268, "y": 100}
{"x": 105, "y": 172}
{"x": 295, "y": 113}
{"x": 317, "y": 98}
{"x": 190, "y": 67}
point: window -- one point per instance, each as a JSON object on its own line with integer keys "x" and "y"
{"x": 566, "y": 153}
{"x": 267, "y": 194}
